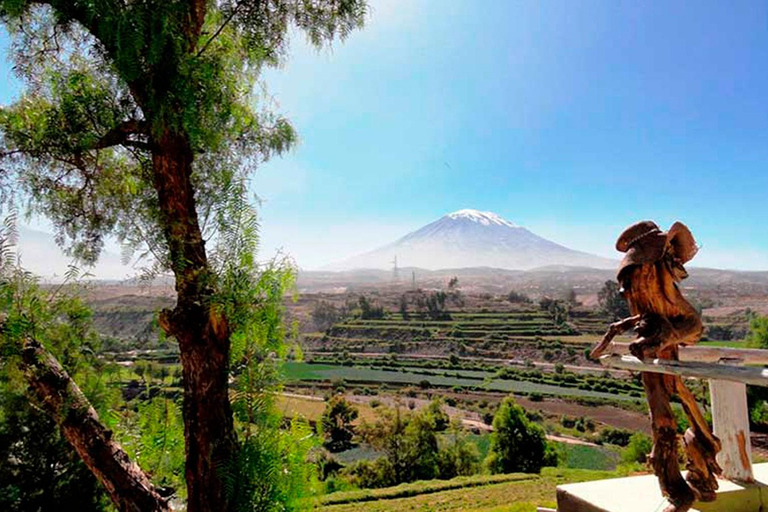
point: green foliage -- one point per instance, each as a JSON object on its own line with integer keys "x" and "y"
{"x": 615, "y": 436}
{"x": 758, "y": 331}
{"x": 370, "y": 310}
{"x": 638, "y": 449}
{"x": 270, "y": 471}
{"x": 558, "y": 310}
{"x": 458, "y": 456}
{"x": 517, "y": 445}
{"x": 152, "y": 434}
{"x": 410, "y": 446}
{"x": 38, "y": 467}
{"x": 611, "y": 301}
{"x": 113, "y": 88}
{"x": 433, "y": 304}
{"x": 337, "y": 424}
{"x": 437, "y": 415}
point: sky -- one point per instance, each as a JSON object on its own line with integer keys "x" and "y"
{"x": 572, "y": 119}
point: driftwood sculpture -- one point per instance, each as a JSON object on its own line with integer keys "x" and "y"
{"x": 664, "y": 320}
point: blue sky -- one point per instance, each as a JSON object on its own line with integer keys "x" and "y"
{"x": 573, "y": 119}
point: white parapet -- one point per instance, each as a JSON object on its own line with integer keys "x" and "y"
{"x": 642, "y": 494}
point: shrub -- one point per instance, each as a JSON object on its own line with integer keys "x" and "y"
{"x": 517, "y": 445}
{"x": 616, "y": 436}
{"x": 638, "y": 449}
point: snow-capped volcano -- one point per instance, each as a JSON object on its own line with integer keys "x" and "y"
{"x": 484, "y": 218}
{"x": 472, "y": 238}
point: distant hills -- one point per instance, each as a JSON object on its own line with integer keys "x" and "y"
{"x": 550, "y": 280}
{"x": 472, "y": 238}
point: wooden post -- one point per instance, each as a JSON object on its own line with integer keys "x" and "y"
{"x": 730, "y": 420}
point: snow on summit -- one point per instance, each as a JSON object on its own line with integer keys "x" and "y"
{"x": 484, "y": 218}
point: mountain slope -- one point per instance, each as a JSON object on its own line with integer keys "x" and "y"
{"x": 471, "y": 238}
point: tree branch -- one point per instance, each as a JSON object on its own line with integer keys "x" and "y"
{"x": 128, "y": 486}
{"x": 221, "y": 27}
{"x": 120, "y": 133}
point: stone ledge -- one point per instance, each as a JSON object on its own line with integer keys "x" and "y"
{"x": 642, "y": 494}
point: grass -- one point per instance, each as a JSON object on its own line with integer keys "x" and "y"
{"x": 575, "y": 456}
{"x": 508, "y": 496}
{"x": 420, "y": 487}
{"x": 724, "y": 344}
{"x": 312, "y": 410}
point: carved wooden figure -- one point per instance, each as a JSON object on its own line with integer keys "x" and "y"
{"x": 663, "y": 320}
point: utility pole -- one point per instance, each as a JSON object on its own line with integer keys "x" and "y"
{"x": 396, "y": 271}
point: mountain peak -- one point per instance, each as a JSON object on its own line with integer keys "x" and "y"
{"x": 473, "y": 238}
{"x": 484, "y": 218}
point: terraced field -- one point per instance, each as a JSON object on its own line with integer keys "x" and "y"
{"x": 524, "y": 333}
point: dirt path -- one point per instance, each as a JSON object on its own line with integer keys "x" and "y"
{"x": 569, "y": 440}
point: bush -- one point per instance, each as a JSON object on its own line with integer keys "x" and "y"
{"x": 371, "y": 473}
{"x": 616, "y": 436}
{"x": 638, "y": 449}
{"x": 518, "y": 298}
{"x": 369, "y": 310}
{"x": 517, "y": 445}
{"x": 457, "y": 456}
{"x": 758, "y": 331}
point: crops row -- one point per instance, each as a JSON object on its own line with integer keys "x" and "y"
{"x": 481, "y": 381}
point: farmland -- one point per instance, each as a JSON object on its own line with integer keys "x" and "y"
{"x": 385, "y": 350}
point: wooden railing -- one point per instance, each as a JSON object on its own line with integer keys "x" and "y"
{"x": 728, "y": 376}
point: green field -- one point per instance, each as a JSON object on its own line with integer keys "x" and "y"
{"x": 575, "y": 456}
{"x": 300, "y": 371}
{"x": 522, "y": 493}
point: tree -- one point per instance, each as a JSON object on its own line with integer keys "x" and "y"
{"x": 139, "y": 122}
{"x": 388, "y": 436}
{"x": 458, "y": 456}
{"x": 370, "y": 310}
{"x": 438, "y": 416}
{"x": 337, "y": 424}
{"x": 454, "y": 292}
{"x": 611, "y": 301}
{"x": 325, "y": 314}
{"x": 517, "y": 444}
{"x": 758, "y": 331}
{"x": 421, "y": 449}
{"x": 403, "y": 307}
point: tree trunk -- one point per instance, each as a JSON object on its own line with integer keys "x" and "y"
{"x": 202, "y": 332}
{"x": 127, "y": 485}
